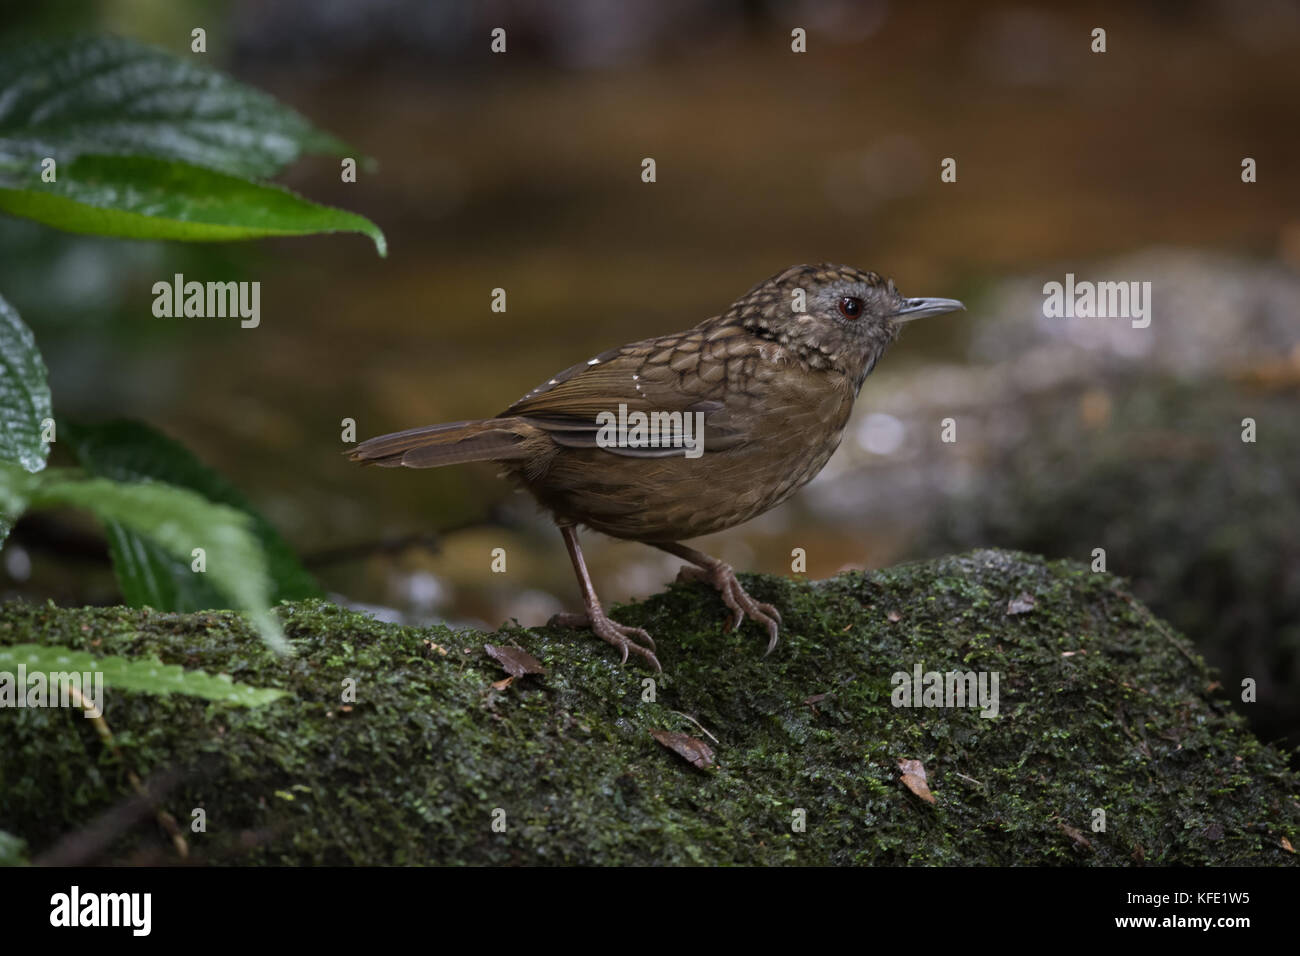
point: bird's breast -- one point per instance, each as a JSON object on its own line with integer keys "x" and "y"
{"x": 789, "y": 420}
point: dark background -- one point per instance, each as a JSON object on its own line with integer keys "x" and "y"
{"x": 522, "y": 171}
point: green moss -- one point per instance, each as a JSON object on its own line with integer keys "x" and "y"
{"x": 414, "y": 770}
{"x": 1202, "y": 523}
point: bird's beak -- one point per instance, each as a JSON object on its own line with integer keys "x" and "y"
{"x": 920, "y": 308}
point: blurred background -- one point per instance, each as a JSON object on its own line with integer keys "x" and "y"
{"x": 522, "y": 172}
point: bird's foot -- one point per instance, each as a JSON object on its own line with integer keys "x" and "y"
{"x": 723, "y": 578}
{"x": 625, "y": 638}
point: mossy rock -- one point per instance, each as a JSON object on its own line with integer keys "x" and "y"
{"x": 1101, "y": 707}
{"x": 1202, "y": 523}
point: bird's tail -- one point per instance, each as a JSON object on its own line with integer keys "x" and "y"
{"x": 489, "y": 439}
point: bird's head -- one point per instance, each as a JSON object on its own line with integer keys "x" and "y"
{"x": 832, "y": 316}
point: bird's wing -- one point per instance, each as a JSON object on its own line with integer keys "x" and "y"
{"x": 684, "y": 373}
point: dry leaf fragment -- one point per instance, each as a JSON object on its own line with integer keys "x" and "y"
{"x": 894, "y": 616}
{"x": 1075, "y": 835}
{"x": 1286, "y": 845}
{"x": 691, "y": 749}
{"x": 1022, "y": 603}
{"x": 503, "y": 683}
{"x": 514, "y": 661}
{"x": 914, "y": 779}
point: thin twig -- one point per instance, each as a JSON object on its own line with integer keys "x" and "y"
{"x": 165, "y": 819}
{"x": 704, "y": 729}
{"x": 1163, "y": 629}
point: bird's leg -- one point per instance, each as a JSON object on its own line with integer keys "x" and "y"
{"x": 620, "y": 635}
{"x": 722, "y": 577}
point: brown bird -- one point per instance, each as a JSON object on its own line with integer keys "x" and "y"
{"x": 686, "y": 434}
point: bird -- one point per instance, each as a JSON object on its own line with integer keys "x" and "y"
{"x": 683, "y": 435}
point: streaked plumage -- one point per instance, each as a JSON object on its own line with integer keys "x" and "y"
{"x": 776, "y": 386}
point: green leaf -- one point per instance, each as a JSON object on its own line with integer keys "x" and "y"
{"x": 139, "y": 197}
{"x": 175, "y": 519}
{"x": 24, "y": 401}
{"x": 146, "y": 676}
{"x": 24, "y": 394}
{"x": 132, "y": 451}
{"x": 104, "y": 94}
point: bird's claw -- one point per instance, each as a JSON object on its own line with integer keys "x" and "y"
{"x": 622, "y": 636}
{"x": 723, "y": 578}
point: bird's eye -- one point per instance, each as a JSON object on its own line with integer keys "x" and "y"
{"x": 850, "y": 307}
